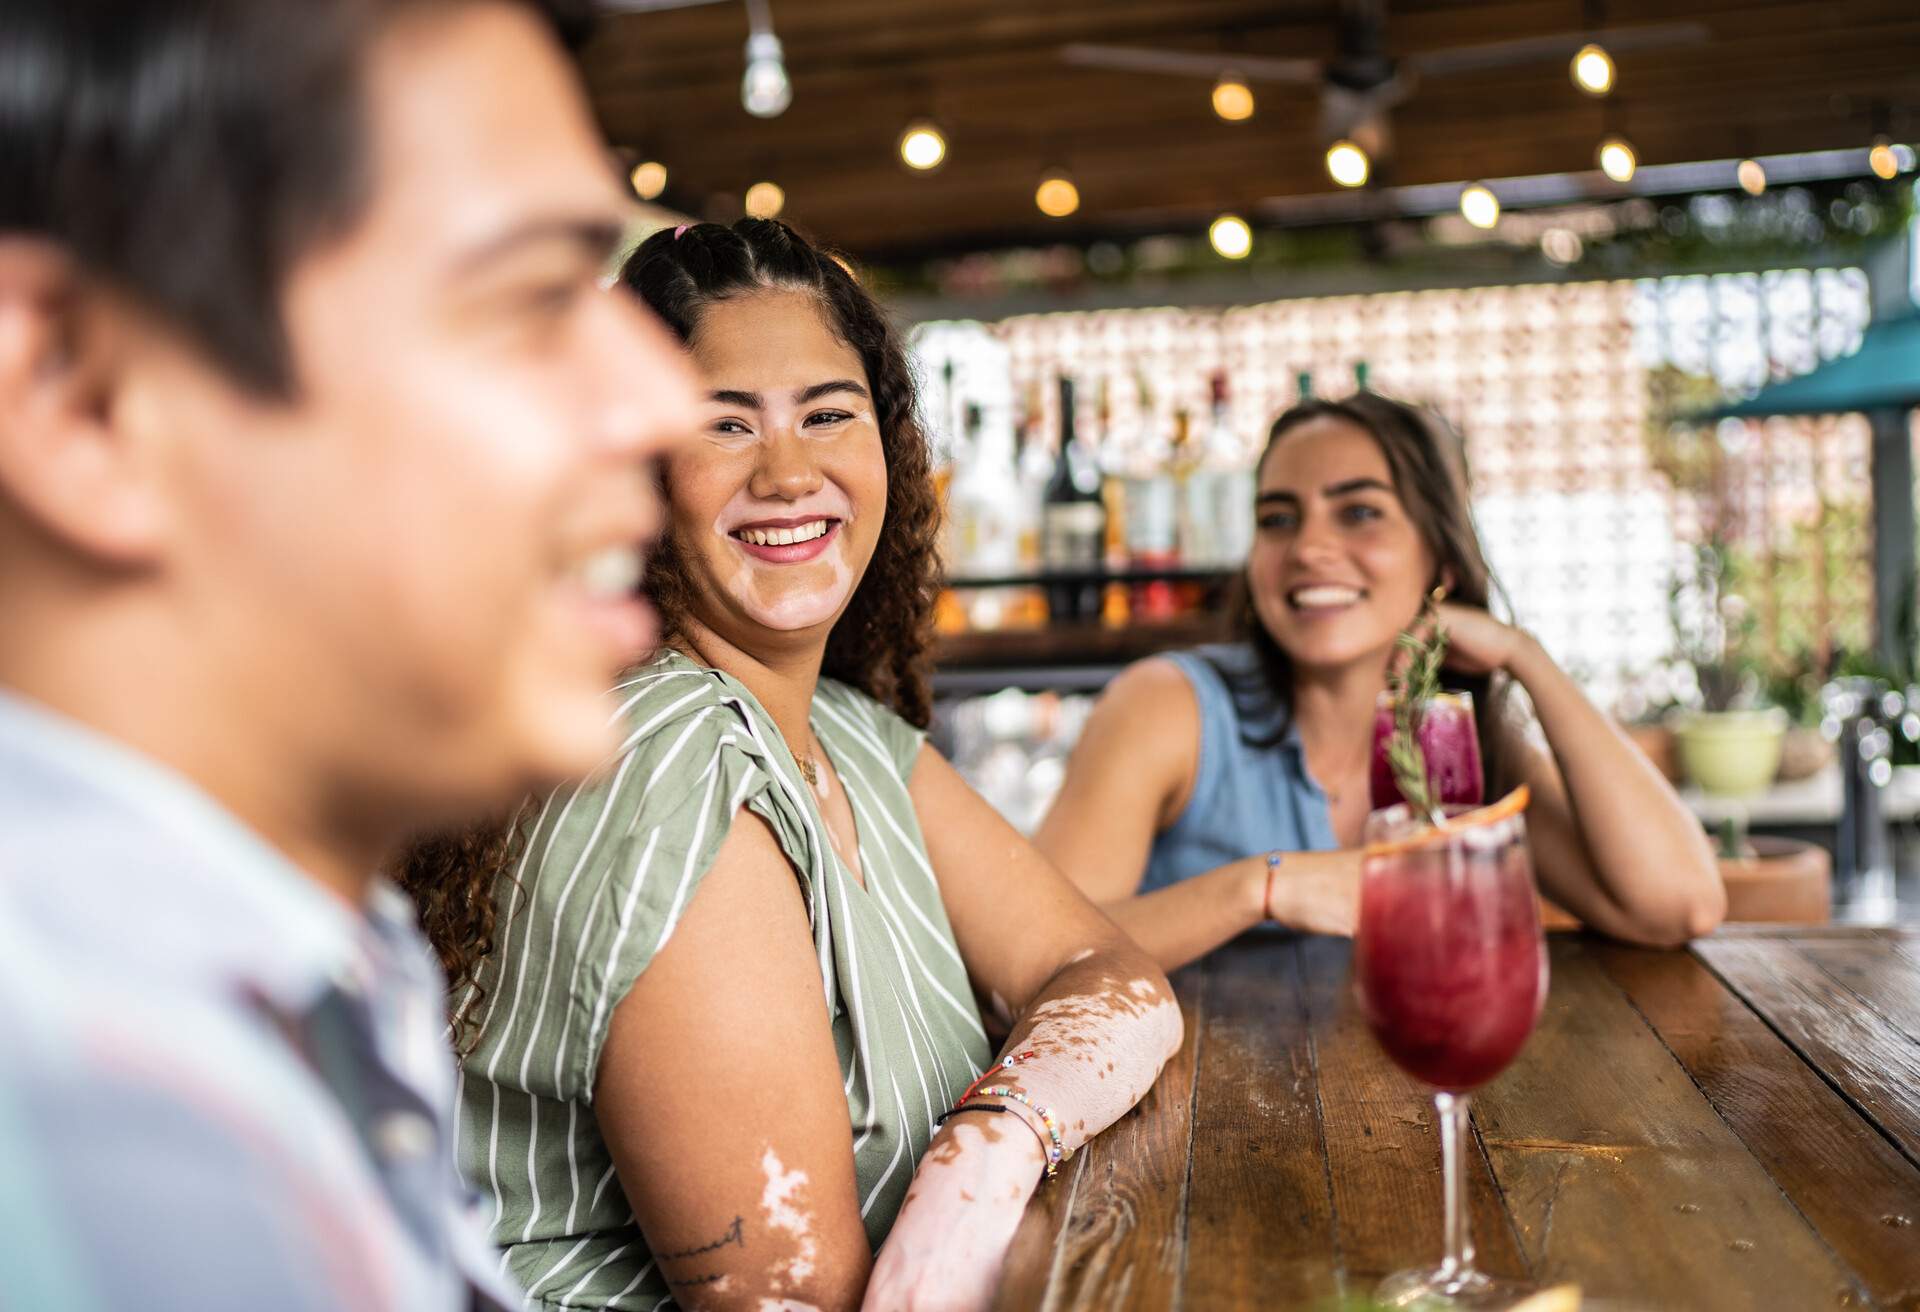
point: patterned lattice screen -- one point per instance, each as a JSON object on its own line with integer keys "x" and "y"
{"x": 1588, "y": 501}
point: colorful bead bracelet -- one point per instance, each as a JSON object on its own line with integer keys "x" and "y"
{"x": 1057, "y": 1150}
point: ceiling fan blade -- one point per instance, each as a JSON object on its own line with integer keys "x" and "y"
{"x": 1539, "y": 49}
{"x": 1182, "y": 63}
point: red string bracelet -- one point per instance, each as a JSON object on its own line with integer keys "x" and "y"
{"x": 1006, "y": 1063}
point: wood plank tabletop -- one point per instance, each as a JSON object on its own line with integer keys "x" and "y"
{"x": 1734, "y": 1126}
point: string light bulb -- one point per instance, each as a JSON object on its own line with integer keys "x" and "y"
{"x": 1752, "y": 176}
{"x": 649, "y": 179}
{"x": 765, "y": 200}
{"x": 1883, "y": 160}
{"x": 923, "y": 146}
{"x": 1231, "y": 237}
{"x": 1561, "y": 246}
{"x": 765, "y": 89}
{"x": 1056, "y": 195}
{"x": 1479, "y": 206}
{"x": 1616, "y": 159}
{"x": 1233, "y": 98}
{"x": 1592, "y": 70}
{"x": 1347, "y": 164}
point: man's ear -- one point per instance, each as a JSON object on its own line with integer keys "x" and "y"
{"x": 78, "y": 461}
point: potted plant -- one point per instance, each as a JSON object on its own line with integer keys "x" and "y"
{"x": 1795, "y": 689}
{"x": 1728, "y": 740}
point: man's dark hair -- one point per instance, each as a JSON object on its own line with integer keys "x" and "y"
{"x": 188, "y": 152}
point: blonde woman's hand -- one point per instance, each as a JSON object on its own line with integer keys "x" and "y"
{"x": 1316, "y": 892}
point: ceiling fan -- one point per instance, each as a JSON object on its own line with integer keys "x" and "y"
{"x": 1362, "y": 83}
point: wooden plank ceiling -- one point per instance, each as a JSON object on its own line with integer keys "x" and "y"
{"x": 1146, "y": 150}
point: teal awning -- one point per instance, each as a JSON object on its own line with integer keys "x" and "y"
{"x": 1884, "y": 374}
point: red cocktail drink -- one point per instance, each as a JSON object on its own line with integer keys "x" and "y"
{"x": 1446, "y": 734}
{"x": 1450, "y": 964}
{"x": 1451, "y": 973}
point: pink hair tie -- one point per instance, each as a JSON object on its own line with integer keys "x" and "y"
{"x": 682, "y": 228}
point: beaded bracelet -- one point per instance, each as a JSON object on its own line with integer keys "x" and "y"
{"x": 1056, "y": 1150}
{"x": 943, "y": 1117}
{"x": 1006, "y": 1063}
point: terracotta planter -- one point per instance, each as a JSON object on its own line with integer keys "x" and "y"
{"x": 1784, "y": 880}
{"x": 1804, "y": 753}
{"x": 1731, "y": 753}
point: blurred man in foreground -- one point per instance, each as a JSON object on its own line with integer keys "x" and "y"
{"x": 324, "y": 491}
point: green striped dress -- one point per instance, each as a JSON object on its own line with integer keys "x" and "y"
{"x": 609, "y": 870}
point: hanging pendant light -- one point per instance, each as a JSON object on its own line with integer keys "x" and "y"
{"x": 1592, "y": 69}
{"x": 1479, "y": 206}
{"x": 1230, "y": 236}
{"x": 1347, "y": 164}
{"x": 1056, "y": 196}
{"x": 1617, "y": 159}
{"x": 923, "y": 146}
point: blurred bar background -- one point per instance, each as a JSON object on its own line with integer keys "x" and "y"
{"x": 1601, "y": 239}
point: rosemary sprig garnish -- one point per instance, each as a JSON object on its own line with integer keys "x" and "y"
{"x": 1414, "y": 689}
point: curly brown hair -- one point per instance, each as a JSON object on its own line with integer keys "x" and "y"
{"x": 880, "y": 644}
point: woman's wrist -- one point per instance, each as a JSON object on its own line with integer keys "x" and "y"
{"x": 1005, "y": 1129}
{"x": 1320, "y": 893}
{"x": 993, "y": 1154}
{"x": 1279, "y": 893}
{"x": 1528, "y": 659}
{"x": 1256, "y": 889}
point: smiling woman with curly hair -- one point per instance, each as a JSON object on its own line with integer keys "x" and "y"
{"x": 738, "y": 971}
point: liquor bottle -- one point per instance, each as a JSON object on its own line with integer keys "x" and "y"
{"x": 1233, "y": 482}
{"x": 949, "y": 610}
{"x": 1033, "y": 469}
{"x": 1111, "y": 450}
{"x": 1151, "y": 501}
{"x": 1076, "y": 523}
{"x": 989, "y": 540}
{"x": 1194, "y": 535}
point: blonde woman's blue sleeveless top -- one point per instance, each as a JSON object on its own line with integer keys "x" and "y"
{"x": 1246, "y": 798}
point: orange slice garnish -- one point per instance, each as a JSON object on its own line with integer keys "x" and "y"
{"x": 1505, "y": 809}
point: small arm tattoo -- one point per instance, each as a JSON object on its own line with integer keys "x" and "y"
{"x": 735, "y": 1235}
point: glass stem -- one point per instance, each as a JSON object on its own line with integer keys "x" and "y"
{"x": 1458, "y": 1263}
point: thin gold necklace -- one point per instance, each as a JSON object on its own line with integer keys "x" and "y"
{"x": 1333, "y": 794}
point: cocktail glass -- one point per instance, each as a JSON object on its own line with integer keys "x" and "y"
{"x": 1446, "y": 734}
{"x": 1451, "y": 972}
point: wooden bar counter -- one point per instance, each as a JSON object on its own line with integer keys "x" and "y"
{"x": 1733, "y": 1126}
